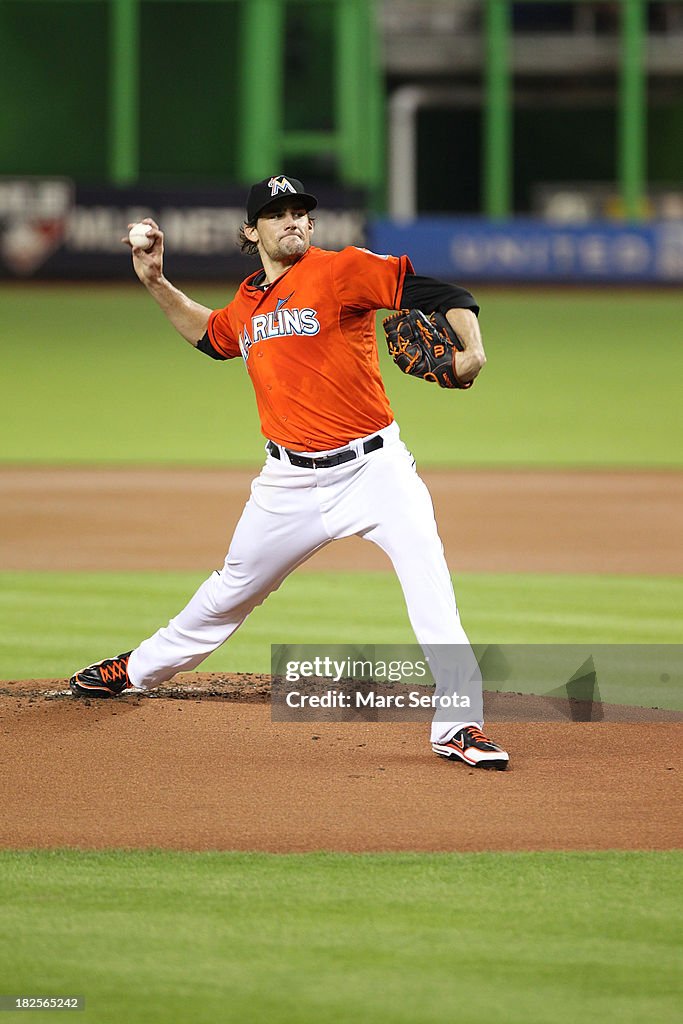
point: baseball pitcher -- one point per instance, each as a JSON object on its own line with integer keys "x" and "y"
{"x": 335, "y": 465}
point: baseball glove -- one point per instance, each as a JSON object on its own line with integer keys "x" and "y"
{"x": 424, "y": 346}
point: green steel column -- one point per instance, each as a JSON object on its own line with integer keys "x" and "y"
{"x": 124, "y": 51}
{"x": 359, "y": 93}
{"x": 262, "y": 83}
{"x": 375, "y": 150}
{"x": 497, "y": 183}
{"x": 350, "y": 95}
{"x": 632, "y": 109}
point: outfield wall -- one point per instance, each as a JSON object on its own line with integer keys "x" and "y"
{"x": 52, "y": 228}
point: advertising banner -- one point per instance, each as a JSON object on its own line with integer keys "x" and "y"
{"x": 53, "y": 228}
{"x": 535, "y": 251}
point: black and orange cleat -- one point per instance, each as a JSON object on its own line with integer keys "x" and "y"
{"x": 106, "y": 678}
{"x": 472, "y": 747}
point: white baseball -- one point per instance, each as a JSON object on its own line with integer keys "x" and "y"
{"x": 138, "y": 237}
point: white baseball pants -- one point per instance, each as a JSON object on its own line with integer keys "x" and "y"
{"x": 293, "y": 512}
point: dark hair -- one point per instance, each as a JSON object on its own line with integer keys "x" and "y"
{"x": 246, "y": 245}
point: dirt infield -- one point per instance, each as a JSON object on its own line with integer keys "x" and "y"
{"x": 202, "y": 774}
{"x": 490, "y": 521}
{"x": 208, "y": 772}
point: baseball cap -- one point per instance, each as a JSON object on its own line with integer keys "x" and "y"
{"x": 268, "y": 191}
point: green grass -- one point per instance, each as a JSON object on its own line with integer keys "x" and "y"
{"x": 569, "y": 381}
{"x": 522, "y": 938}
{"x": 97, "y": 375}
{"x": 54, "y": 622}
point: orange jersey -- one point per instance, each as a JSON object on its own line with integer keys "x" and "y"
{"x": 309, "y": 346}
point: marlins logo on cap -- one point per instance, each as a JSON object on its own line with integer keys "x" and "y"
{"x": 280, "y": 185}
{"x": 276, "y": 188}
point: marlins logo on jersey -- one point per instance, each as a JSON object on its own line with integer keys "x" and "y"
{"x": 280, "y": 185}
{"x": 282, "y": 323}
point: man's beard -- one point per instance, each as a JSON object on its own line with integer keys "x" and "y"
{"x": 285, "y": 251}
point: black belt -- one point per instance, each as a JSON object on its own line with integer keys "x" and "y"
{"x": 327, "y": 461}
